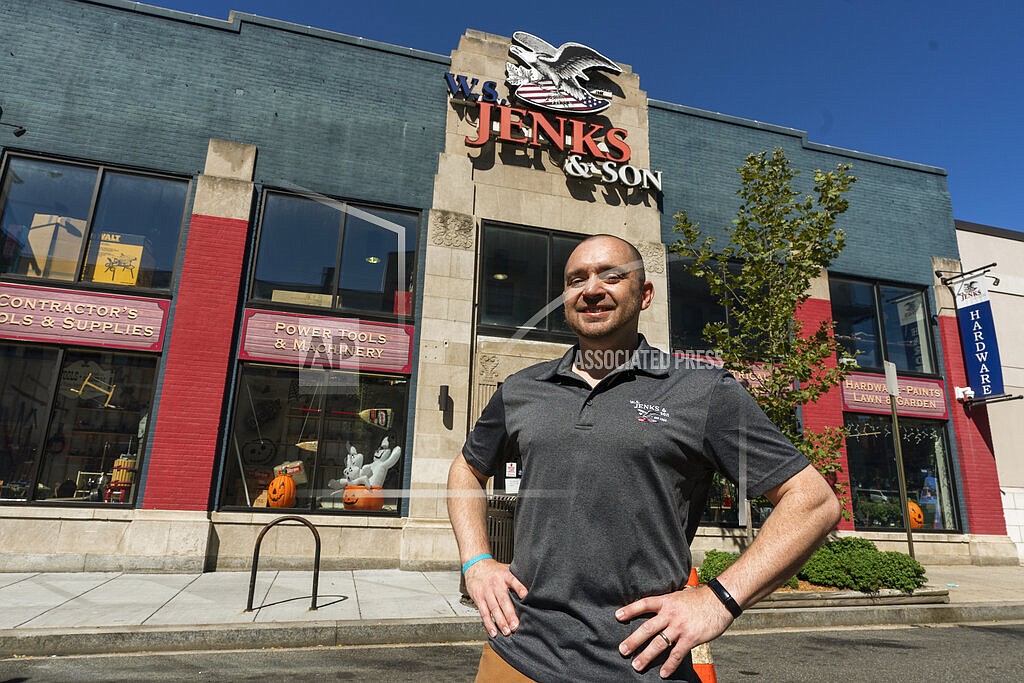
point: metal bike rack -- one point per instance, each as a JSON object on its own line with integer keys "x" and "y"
{"x": 256, "y": 557}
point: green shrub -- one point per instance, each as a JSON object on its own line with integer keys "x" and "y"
{"x": 715, "y": 562}
{"x": 849, "y": 543}
{"x": 901, "y": 571}
{"x": 857, "y": 564}
{"x": 825, "y": 568}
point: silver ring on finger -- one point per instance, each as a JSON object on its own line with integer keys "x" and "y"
{"x": 665, "y": 638}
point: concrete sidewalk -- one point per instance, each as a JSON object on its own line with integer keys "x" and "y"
{"x": 79, "y": 613}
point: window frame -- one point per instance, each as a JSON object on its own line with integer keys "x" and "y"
{"x": 950, "y": 471}
{"x": 101, "y": 169}
{"x": 535, "y": 334}
{"x": 876, "y": 286}
{"x": 333, "y": 310}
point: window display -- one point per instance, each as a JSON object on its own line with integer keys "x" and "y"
{"x": 123, "y": 228}
{"x": 97, "y": 411}
{"x": 874, "y": 482}
{"x": 338, "y": 436}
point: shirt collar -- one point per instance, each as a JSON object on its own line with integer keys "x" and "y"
{"x": 645, "y": 359}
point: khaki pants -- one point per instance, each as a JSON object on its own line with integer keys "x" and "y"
{"x": 494, "y": 669}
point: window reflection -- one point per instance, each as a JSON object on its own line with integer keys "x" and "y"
{"x": 132, "y": 233}
{"x": 329, "y": 254}
{"x": 521, "y": 275}
{"x": 514, "y": 278}
{"x": 298, "y": 251}
{"x": 904, "y": 322}
{"x": 376, "y": 256}
{"x": 45, "y": 213}
{"x": 135, "y": 231}
{"x": 561, "y": 248}
{"x": 906, "y": 328}
{"x": 691, "y": 306}
{"x": 853, "y": 308}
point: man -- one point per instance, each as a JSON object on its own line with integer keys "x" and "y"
{"x": 618, "y": 446}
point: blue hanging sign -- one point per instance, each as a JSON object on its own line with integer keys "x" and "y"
{"x": 978, "y": 338}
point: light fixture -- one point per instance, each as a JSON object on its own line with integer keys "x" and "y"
{"x": 373, "y": 259}
{"x": 18, "y": 130}
{"x": 500, "y": 276}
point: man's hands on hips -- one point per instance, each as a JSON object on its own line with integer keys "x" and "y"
{"x": 488, "y": 583}
{"x": 687, "y": 618}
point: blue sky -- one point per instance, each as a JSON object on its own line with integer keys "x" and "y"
{"x": 938, "y": 82}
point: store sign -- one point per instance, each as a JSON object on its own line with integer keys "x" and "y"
{"x": 62, "y": 316}
{"x": 321, "y": 341}
{"x": 866, "y": 393}
{"x": 549, "y": 78}
{"x": 978, "y": 338}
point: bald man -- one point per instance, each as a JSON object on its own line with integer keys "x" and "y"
{"x": 618, "y": 444}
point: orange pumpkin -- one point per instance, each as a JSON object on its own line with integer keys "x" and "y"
{"x": 362, "y": 498}
{"x": 281, "y": 492}
{"x": 916, "y": 515}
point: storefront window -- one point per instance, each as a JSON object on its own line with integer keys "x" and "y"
{"x": 871, "y": 318}
{"x": 97, "y": 412}
{"x": 874, "y": 481}
{"x": 335, "y": 255}
{"x": 522, "y": 277}
{"x": 339, "y": 434}
{"x": 89, "y": 224}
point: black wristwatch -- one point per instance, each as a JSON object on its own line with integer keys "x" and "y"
{"x": 730, "y": 603}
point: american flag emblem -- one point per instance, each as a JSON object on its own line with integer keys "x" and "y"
{"x": 544, "y": 94}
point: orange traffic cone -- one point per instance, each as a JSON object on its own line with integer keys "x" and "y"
{"x": 703, "y": 662}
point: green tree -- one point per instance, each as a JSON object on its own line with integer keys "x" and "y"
{"x": 779, "y": 241}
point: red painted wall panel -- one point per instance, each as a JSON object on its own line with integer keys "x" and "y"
{"x": 205, "y": 310}
{"x": 973, "y": 442}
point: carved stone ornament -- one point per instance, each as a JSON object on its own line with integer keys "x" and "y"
{"x": 488, "y": 364}
{"x": 451, "y": 229}
{"x": 653, "y": 254}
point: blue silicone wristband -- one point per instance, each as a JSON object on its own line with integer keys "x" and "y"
{"x": 473, "y": 560}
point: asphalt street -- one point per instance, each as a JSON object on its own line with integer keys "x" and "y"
{"x": 948, "y": 653}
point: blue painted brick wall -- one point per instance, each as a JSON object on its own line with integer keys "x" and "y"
{"x": 104, "y": 81}
{"x": 899, "y": 216}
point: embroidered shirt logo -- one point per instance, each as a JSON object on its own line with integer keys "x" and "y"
{"x": 648, "y": 412}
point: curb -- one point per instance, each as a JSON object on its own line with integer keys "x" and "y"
{"x": 896, "y": 615}
{"x": 86, "y": 641}
{"x": 82, "y": 641}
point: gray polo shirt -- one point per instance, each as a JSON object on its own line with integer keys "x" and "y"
{"x": 615, "y": 478}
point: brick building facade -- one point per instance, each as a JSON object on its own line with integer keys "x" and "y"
{"x": 343, "y": 274}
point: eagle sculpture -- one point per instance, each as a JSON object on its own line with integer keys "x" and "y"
{"x": 558, "y": 70}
